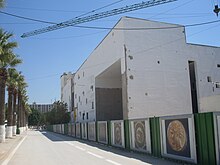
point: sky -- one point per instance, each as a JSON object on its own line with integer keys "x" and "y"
{"x": 47, "y": 56}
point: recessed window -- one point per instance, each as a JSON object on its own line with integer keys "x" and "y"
{"x": 87, "y": 115}
{"x": 83, "y": 74}
{"x": 91, "y": 87}
{"x": 83, "y": 93}
{"x": 217, "y": 85}
{"x": 92, "y": 105}
{"x": 218, "y": 65}
{"x": 86, "y": 100}
{"x": 209, "y": 79}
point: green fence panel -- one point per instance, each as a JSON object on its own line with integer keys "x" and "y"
{"x": 66, "y": 129}
{"x": 109, "y": 133}
{"x": 204, "y": 129}
{"x": 155, "y": 136}
{"x": 127, "y": 134}
{"x": 96, "y": 131}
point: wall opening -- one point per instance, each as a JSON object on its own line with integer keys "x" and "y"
{"x": 108, "y": 92}
{"x": 193, "y": 86}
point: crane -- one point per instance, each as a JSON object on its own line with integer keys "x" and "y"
{"x": 90, "y": 18}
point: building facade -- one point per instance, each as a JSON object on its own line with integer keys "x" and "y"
{"x": 146, "y": 72}
{"x": 43, "y": 108}
{"x": 67, "y": 90}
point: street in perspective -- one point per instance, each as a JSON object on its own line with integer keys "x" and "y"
{"x": 42, "y": 147}
{"x": 123, "y": 82}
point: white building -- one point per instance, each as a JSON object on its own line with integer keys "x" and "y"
{"x": 67, "y": 89}
{"x": 143, "y": 73}
{"x": 43, "y": 108}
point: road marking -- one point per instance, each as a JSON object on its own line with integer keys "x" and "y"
{"x": 70, "y": 143}
{"x": 98, "y": 156}
{"x": 13, "y": 152}
{"x": 113, "y": 162}
{"x": 80, "y": 148}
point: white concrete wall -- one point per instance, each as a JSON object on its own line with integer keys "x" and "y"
{"x": 159, "y": 67}
{"x": 66, "y": 90}
{"x": 109, "y": 51}
{"x": 158, "y": 82}
{"x": 207, "y": 59}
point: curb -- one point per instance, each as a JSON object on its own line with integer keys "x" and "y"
{"x": 9, "y": 145}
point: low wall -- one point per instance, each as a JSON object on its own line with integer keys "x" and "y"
{"x": 186, "y": 138}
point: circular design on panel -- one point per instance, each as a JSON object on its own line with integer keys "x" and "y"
{"x": 139, "y": 128}
{"x": 117, "y": 133}
{"x": 176, "y": 135}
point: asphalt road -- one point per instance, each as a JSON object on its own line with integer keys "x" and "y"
{"x": 46, "y": 148}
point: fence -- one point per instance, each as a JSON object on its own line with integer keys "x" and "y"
{"x": 186, "y": 138}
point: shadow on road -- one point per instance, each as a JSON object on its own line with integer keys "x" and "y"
{"x": 144, "y": 157}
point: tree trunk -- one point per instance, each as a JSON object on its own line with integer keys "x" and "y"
{"x": 14, "y": 111}
{"x": 3, "y": 77}
{"x": 10, "y": 114}
{"x": 19, "y": 110}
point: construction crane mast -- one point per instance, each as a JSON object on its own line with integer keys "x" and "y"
{"x": 90, "y": 18}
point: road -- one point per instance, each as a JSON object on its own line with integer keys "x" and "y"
{"x": 47, "y": 148}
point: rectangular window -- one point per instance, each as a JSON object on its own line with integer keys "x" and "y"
{"x": 218, "y": 65}
{"x": 87, "y": 115}
{"x": 217, "y": 85}
{"x": 209, "y": 79}
{"x": 92, "y": 105}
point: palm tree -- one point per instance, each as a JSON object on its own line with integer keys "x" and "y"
{"x": 11, "y": 84}
{"x": 1, "y": 3}
{"x": 21, "y": 91}
{"x": 7, "y": 59}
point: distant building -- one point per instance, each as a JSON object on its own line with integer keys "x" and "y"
{"x": 67, "y": 90}
{"x": 43, "y": 108}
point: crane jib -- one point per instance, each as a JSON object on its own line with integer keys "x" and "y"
{"x": 76, "y": 21}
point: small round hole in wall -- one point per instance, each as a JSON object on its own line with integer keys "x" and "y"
{"x": 131, "y": 77}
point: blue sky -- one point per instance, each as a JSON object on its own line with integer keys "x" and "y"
{"x": 47, "y": 56}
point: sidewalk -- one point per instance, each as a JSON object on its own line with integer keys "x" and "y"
{"x": 7, "y": 147}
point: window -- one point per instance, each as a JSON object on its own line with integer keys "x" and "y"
{"x": 91, "y": 87}
{"x": 86, "y": 100}
{"x": 79, "y": 98}
{"x": 218, "y": 65}
{"x": 209, "y": 79}
{"x": 87, "y": 115}
{"x": 92, "y": 105}
{"x": 83, "y": 116}
{"x": 217, "y": 85}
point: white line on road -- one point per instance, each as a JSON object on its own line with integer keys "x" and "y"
{"x": 98, "y": 156}
{"x": 113, "y": 162}
{"x": 70, "y": 143}
{"x": 80, "y": 148}
{"x": 13, "y": 152}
